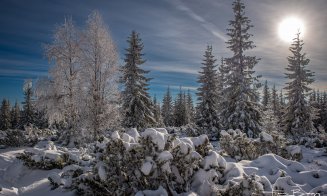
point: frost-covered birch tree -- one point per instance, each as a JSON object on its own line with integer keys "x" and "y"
{"x": 299, "y": 114}
{"x": 59, "y": 94}
{"x": 99, "y": 76}
{"x": 240, "y": 108}
{"x": 137, "y": 107}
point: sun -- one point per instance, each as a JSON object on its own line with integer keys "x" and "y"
{"x": 289, "y": 27}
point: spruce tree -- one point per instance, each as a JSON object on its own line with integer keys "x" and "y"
{"x": 207, "y": 117}
{"x": 137, "y": 107}
{"x": 323, "y": 111}
{"x": 266, "y": 95}
{"x": 157, "y": 112}
{"x": 5, "y": 119}
{"x": 180, "y": 109}
{"x": 190, "y": 107}
{"x": 222, "y": 73}
{"x": 28, "y": 114}
{"x": 275, "y": 101}
{"x": 281, "y": 98}
{"x": 240, "y": 109}
{"x": 313, "y": 95}
{"x": 299, "y": 114}
{"x": 15, "y": 116}
{"x": 167, "y": 109}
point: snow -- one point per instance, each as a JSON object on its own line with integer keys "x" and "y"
{"x": 197, "y": 141}
{"x": 294, "y": 149}
{"x": 285, "y": 174}
{"x": 115, "y": 135}
{"x": 223, "y": 133}
{"x": 162, "y": 130}
{"x": 134, "y": 133}
{"x": 202, "y": 181}
{"x": 157, "y": 137}
{"x": 146, "y": 168}
{"x": 165, "y": 156}
{"x": 16, "y": 179}
{"x": 127, "y": 138}
{"x": 102, "y": 171}
{"x": 159, "y": 192}
{"x": 213, "y": 160}
{"x": 128, "y": 146}
{"x": 265, "y": 137}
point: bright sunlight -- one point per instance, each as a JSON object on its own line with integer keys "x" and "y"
{"x": 289, "y": 27}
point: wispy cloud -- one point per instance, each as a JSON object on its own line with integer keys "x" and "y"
{"x": 204, "y": 23}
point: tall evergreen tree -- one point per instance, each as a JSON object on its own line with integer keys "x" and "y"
{"x": 167, "y": 109}
{"x": 15, "y": 116}
{"x": 313, "y": 97}
{"x": 5, "y": 119}
{"x": 281, "y": 98}
{"x": 222, "y": 73}
{"x": 240, "y": 108}
{"x": 180, "y": 109}
{"x": 28, "y": 114}
{"x": 266, "y": 95}
{"x": 275, "y": 101}
{"x": 299, "y": 114}
{"x": 323, "y": 111}
{"x": 207, "y": 117}
{"x": 157, "y": 112}
{"x": 137, "y": 107}
{"x": 190, "y": 107}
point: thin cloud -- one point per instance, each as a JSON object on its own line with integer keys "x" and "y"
{"x": 207, "y": 25}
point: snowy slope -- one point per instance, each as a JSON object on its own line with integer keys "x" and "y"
{"x": 16, "y": 179}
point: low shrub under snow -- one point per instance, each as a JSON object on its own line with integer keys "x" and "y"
{"x": 237, "y": 145}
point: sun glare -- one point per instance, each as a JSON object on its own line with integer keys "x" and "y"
{"x": 289, "y": 27}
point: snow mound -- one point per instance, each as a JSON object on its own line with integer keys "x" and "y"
{"x": 157, "y": 137}
{"x": 286, "y": 175}
{"x": 265, "y": 137}
{"x": 133, "y": 133}
{"x": 159, "y": 192}
{"x": 213, "y": 160}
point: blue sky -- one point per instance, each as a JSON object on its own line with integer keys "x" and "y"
{"x": 175, "y": 34}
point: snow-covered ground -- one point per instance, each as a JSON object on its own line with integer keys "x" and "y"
{"x": 310, "y": 174}
{"x": 17, "y": 179}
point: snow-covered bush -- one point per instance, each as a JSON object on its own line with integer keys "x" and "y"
{"x": 189, "y": 130}
{"x": 133, "y": 162}
{"x": 46, "y": 156}
{"x": 247, "y": 186}
{"x": 237, "y": 145}
{"x": 14, "y": 138}
{"x": 27, "y": 137}
{"x": 317, "y": 140}
{"x": 36, "y": 134}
